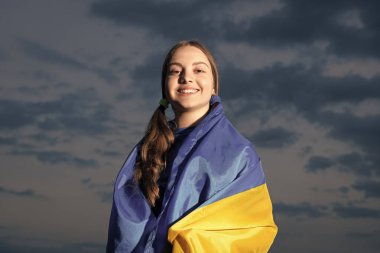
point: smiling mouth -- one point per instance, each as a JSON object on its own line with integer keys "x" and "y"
{"x": 187, "y": 91}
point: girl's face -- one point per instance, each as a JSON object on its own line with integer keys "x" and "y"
{"x": 189, "y": 81}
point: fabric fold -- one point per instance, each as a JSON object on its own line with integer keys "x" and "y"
{"x": 239, "y": 223}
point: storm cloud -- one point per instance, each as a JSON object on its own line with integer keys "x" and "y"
{"x": 79, "y": 79}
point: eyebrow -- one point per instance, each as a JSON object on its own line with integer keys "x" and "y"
{"x": 194, "y": 64}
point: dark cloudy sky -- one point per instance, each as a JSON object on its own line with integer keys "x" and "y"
{"x": 80, "y": 79}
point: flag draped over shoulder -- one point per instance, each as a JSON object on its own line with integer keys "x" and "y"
{"x": 216, "y": 198}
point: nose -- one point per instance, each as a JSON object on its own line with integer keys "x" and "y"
{"x": 185, "y": 77}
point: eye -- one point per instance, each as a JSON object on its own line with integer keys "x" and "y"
{"x": 199, "y": 71}
{"x": 174, "y": 72}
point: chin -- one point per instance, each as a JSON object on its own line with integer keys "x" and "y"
{"x": 189, "y": 107}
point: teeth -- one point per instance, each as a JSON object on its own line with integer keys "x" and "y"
{"x": 187, "y": 91}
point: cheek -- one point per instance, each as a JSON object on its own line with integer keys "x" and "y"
{"x": 207, "y": 83}
{"x": 169, "y": 86}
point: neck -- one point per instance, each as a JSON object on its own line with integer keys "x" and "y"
{"x": 189, "y": 118}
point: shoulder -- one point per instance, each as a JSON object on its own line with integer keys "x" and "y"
{"x": 127, "y": 169}
{"x": 225, "y": 133}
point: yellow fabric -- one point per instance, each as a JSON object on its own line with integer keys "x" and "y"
{"x": 239, "y": 223}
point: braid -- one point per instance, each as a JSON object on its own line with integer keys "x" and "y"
{"x": 151, "y": 161}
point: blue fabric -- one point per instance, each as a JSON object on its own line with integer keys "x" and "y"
{"x": 214, "y": 161}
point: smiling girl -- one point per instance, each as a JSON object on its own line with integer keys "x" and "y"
{"x": 192, "y": 184}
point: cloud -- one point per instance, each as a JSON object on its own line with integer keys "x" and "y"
{"x": 354, "y": 212}
{"x": 354, "y": 162}
{"x": 147, "y": 77}
{"x": 299, "y": 22}
{"x": 56, "y": 158}
{"x": 348, "y": 26}
{"x": 22, "y": 193}
{"x": 111, "y": 153}
{"x": 81, "y": 112}
{"x": 106, "y": 196}
{"x": 165, "y": 18}
{"x": 370, "y": 188}
{"x": 362, "y": 131}
{"x": 7, "y": 141}
{"x": 304, "y": 209}
{"x": 364, "y": 235}
{"x": 274, "y": 138}
{"x": 88, "y": 182}
{"x": 42, "y": 136}
{"x": 45, "y": 54}
{"x": 368, "y": 67}
{"x": 357, "y": 163}
{"x": 13, "y": 114}
{"x": 103, "y": 190}
{"x": 317, "y": 163}
{"x": 295, "y": 86}
{"x": 247, "y": 57}
{"x": 48, "y": 55}
{"x": 43, "y": 75}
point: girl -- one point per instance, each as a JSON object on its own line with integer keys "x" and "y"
{"x": 193, "y": 184}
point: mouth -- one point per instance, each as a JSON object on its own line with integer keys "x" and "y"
{"x": 187, "y": 91}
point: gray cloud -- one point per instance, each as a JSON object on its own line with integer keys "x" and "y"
{"x": 371, "y": 189}
{"x": 106, "y": 196}
{"x": 344, "y": 189}
{"x": 357, "y": 163}
{"x": 111, "y": 153}
{"x": 297, "y": 22}
{"x": 57, "y": 158}
{"x": 362, "y": 131}
{"x": 103, "y": 190}
{"x": 23, "y": 193}
{"x": 124, "y": 96}
{"x": 147, "y": 78}
{"x": 45, "y": 54}
{"x": 354, "y": 212}
{"x": 80, "y": 112}
{"x": 354, "y": 162}
{"x": 7, "y": 141}
{"x": 43, "y": 75}
{"x": 88, "y": 182}
{"x": 274, "y": 138}
{"x": 44, "y": 137}
{"x": 13, "y": 114}
{"x": 165, "y": 18}
{"x": 364, "y": 235}
{"x": 42, "y": 53}
{"x": 300, "y": 22}
{"x": 305, "y": 151}
{"x": 317, "y": 163}
{"x": 304, "y": 209}
{"x": 295, "y": 86}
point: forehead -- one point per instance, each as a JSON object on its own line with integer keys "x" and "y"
{"x": 189, "y": 54}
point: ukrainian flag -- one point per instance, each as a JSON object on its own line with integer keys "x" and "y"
{"x": 216, "y": 198}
